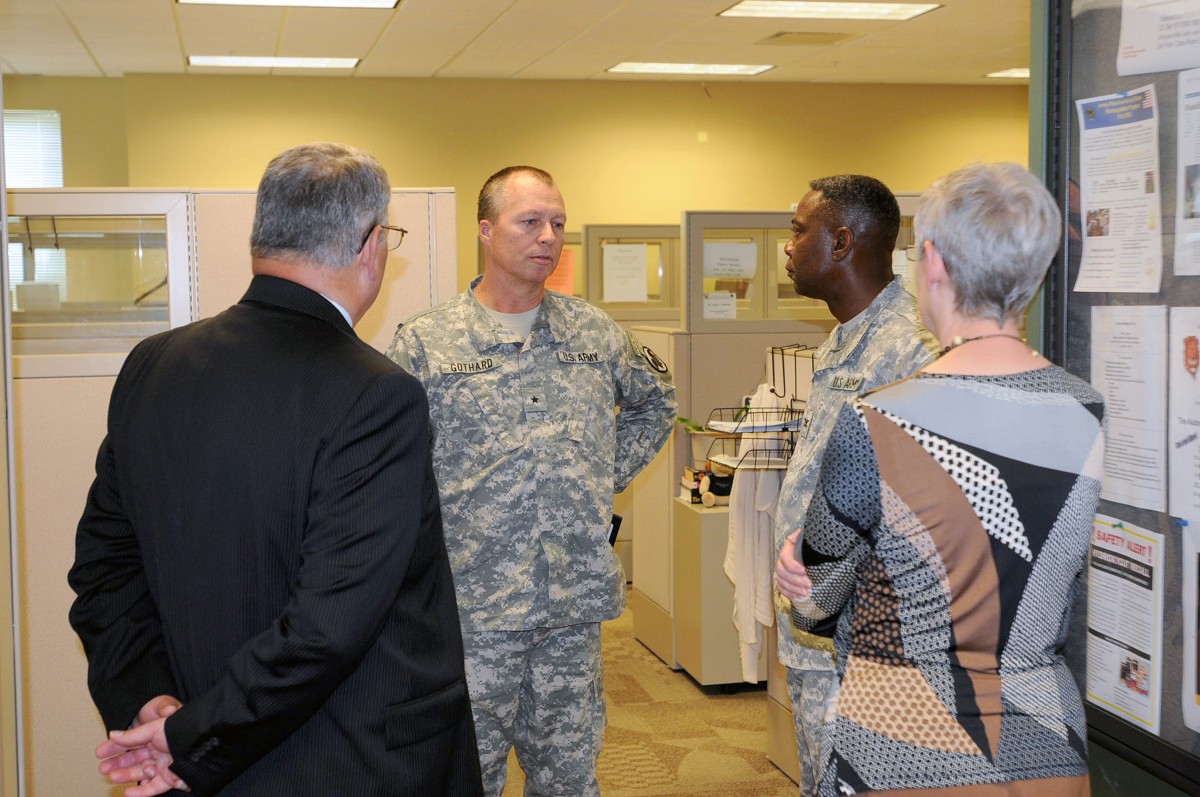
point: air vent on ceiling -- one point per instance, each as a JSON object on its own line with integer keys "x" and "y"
{"x": 811, "y": 39}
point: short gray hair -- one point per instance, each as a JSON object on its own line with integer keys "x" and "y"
{"x": 319, "y": 202}
{"x": 997, "y": 228}
{"x": 491, "y": 196}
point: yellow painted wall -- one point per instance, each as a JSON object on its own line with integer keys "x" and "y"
{"x": 623, "y": 152}
{"x": 95, "y": 150}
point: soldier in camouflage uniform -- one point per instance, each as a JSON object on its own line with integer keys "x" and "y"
{"x": 840, "y": 252}
{"x": 523, "y": 385}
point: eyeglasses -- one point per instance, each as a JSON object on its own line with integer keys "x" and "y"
{"x": 913, "y": 252}
{"x": 395, "y": 236}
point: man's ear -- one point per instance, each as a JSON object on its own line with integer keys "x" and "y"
{"x": 485, "y": 230}
{"x": 368, "y": 256}
{"x": 843, "y": 242}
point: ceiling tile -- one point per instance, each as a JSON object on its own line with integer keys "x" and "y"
{"x": 221, "y": 30}
{"x": 325, "y": 32}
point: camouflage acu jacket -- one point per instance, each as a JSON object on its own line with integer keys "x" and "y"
{"x": 529, "y": 450}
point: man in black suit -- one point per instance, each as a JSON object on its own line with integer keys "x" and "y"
{"x": 262, "y": 584}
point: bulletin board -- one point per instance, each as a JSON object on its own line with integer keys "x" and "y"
{"x": 1123, "y": 312}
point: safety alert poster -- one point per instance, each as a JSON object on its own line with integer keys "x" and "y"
{"x": 1125, "y": 607}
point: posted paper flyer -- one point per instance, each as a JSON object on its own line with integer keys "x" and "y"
{"x": 1129, "y": 368}
{"x": 1118, "y": 190}
{"x": 1124, "y": 625}
{"x": 1158, "y": 35}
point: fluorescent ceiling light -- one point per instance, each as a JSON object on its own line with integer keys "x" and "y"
{"x": 690, "y": 69}
{"x": 297, "y": 3}
{"x": 272, "y": 63}
{"x": 787, "y": 9}
{"x": 1021, "y": 71}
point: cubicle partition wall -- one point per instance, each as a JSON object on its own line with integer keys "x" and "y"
{"x": 90, "y": 276}
{"x": 108, "y": 292}
{"x": 11, "y": 741}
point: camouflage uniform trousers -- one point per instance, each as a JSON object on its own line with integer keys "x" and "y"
{"x": 814, "y": 698}
{"x": 541, "y": 691}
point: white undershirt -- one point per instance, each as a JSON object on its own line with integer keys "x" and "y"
{"x": 518, "y": 324}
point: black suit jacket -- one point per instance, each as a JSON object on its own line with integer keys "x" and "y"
{"x": 263, "y": 541}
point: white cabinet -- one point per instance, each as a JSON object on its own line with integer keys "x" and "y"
{"x": 706, "y": 641}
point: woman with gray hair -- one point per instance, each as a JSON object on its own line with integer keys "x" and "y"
{"x": 946, "y": 538}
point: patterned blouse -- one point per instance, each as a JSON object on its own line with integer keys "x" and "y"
{"x": 945, "y": 542}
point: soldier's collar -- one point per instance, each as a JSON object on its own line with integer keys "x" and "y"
{"x": 552, "y": 318}
{"x": 846, "y": 337}
{"x": 485, "y": 333}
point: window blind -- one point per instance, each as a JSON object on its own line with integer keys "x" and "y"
{"x": 33, "y": 159}
{"x": 33, "y": 149}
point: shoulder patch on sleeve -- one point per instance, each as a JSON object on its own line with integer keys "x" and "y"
{"x": 653, "y": 360}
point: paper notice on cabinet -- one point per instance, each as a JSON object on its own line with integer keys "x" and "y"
{"x": 624, "y": 272}
{"x": 722, "y": 304}
{"x": 1118, "y": 189}
{"x": 1124, "y": 621}
{"x": 1158, "y": 35}
{"x": 1129, "y": 369}
{"x": 1187, "y": 202}
{"x": 730, "y": 260}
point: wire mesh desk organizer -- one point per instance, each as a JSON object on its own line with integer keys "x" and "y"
{"x": 758, "y": 437}
{"x": 761, "y": 433}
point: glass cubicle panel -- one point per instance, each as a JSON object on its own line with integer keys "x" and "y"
{"x": 731, "y": 270}
{"x": 736, "y": 267}
{"x": 91, "y": 274}
{"x": 634, "y": 271}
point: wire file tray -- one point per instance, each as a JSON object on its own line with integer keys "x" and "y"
{"x": 751, "y": 420}
{"x": 738, "y": 453}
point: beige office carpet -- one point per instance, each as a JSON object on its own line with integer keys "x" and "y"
{"x": 669, "y": 737}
